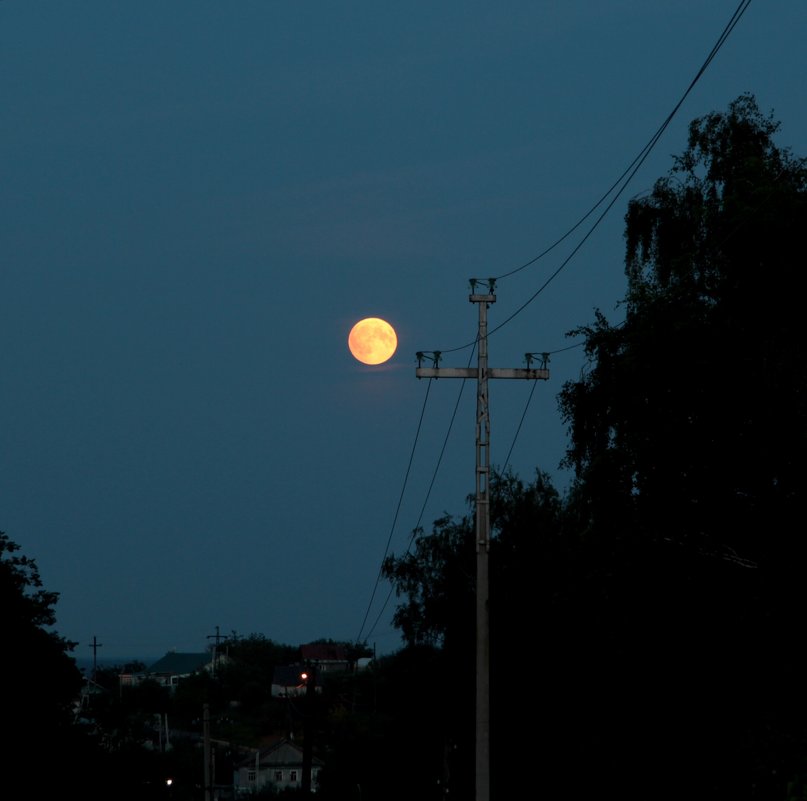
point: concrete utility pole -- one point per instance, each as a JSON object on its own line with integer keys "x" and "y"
{"x": 482, "y": 373}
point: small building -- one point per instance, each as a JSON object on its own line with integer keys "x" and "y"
{"x": 278, "y": 765}
{"x": 329, "y": 657}
{"x": 173, "y": 667}
{"x": 317, "y": 659}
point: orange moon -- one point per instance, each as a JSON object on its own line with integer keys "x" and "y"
{"x": 372, "y": 340}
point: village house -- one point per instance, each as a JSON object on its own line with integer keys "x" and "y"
{"x": 279, "y": 765}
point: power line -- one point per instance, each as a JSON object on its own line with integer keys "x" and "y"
{"x": 398, "y": 508}
{"x": 624, "y": 179}
{"x": 617, "y": 188}
{"x": 416, "y": 527}
{"x": 520, "y": 423}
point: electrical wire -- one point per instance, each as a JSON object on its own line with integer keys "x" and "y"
{"x": 398, "y": 508}
{"x": 621, "y": 324}
{"x": 642, "y": 154}
{"x": 416, "y": 527}
{"x": 624, "y": 180}
{"x": 617, "y": 188}
{"x": 520, "y": 423}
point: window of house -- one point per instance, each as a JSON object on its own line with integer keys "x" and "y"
{"x": 251, "y": 776}
{"x": 294, "y": 776}
{"x": 278, "y": 775}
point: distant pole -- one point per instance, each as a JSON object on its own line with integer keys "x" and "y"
{"x": 308, "y": 727}
{"x": 95, "y": 645}
{"x": 482, "y": 539}
{"x": 216, "y": 638}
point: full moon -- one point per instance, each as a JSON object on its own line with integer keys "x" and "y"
{"x": 372, "y": 340}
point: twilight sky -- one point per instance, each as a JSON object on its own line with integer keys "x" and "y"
{"x": 198, "y": 200}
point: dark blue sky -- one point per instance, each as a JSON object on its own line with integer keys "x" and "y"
{"x": 197, "y": 201}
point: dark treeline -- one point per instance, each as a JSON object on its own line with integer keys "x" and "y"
{"x": 646, "y": 626}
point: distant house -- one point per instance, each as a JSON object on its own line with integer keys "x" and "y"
{"x": 327, "y": 656}
{"x": 173, "y": 667}
{"x": 319, "y": 657}
{"x": 279, "y": 766}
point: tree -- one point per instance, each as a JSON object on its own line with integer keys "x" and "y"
{"x": 41, "y": 686}
{"x": 41, "y": 681}
{"x": 47, "y": 752}
{"x": 436, "y": 578}
{"x": 697, "y": 403}
{"x": 688, "y": 436}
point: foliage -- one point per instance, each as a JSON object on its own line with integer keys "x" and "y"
{"x": 436, "y": 578}
{"x": 688, "y": 436}
{"x": 246, "y": 686}
{"x": 254, "y": 657}
{"x": 642, "y": 626}
{"x": 389, "y": 735}
{"x": 697, "y": 403}
{"x": 528, "y": 561}
{"x": 29, "y": 614}
{"x": 40, "y": 679}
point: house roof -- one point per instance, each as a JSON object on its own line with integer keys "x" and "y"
{"x": 180, "y": 664}
{"x": 324, "y": 652}
{"x": 282, "y": 754}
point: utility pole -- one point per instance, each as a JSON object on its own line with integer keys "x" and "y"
{"x": 95, "y": 645}
{"x": 482, "y": 539}
{"x": 206, "y": 745}
{"x": 217, "y": 638}
{"x": 310, "y": 679}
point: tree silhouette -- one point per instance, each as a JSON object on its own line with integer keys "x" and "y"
{"x": 688, "y": 435}
{"x": 41, "y": 682}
